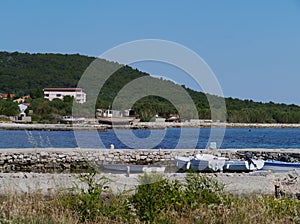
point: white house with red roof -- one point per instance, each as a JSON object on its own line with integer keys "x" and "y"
{"x": 59, "y": 93}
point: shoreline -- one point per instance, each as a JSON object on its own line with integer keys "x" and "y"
{"x": 140, "y": 125}
{"x": 48, "y": 170}
{"x": 74, "y": 160}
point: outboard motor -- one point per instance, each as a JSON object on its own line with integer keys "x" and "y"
{"x": 248, "y": 158}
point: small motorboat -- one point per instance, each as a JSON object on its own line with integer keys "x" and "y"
{"x": 71, "y": 120}
{"x": 173, "y": 118}
{"x": 201, "y": 162}
{"x": 208, "y": 162}
{"x": 243, "y": 166}
{"x": 183, "y": 162}
{"x": 132, "y": 168}
{"x": 280, "y": 166}
{"x": 116, "y": 117}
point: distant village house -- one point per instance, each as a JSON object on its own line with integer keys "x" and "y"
{"x": 21, "y": 99}
{"x": 6, "y": 95}
{"x": 59, "y": 93}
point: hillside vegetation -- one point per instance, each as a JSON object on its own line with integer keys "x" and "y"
{"x": 24, "y": 73}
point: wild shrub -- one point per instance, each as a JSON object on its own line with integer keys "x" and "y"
{"x": 201, "y": 189}
{"x": 95, "y": 200}
{"x": 155, "y": 195}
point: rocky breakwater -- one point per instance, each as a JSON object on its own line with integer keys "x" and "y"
{"x": 78, "y": 160}
{"x": 74, "y": 160}
{"x": 44, "y": 161}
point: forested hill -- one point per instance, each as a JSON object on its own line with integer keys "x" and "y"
{"x": 23, "y": 73}
{"x": 26, "y": 73}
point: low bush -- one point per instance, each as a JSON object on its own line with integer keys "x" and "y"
{"x": 95, "y": 200}
{"x": 199, "y": 199}
{"x": 156, "y": 195}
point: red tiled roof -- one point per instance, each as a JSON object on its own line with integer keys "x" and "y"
{"x": 6, "y": 95}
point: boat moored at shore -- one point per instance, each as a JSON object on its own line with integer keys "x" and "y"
{"x": 212, "y": 163}
{"x": 280, "y": 166}
{"x": 132, "y": 168}
{"x": 243, "y": 166}
{"x": 108, "y": 116}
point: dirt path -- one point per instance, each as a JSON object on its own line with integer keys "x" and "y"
{"x": 256, "y": 183}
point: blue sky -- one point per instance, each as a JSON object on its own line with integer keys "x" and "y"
{"x": 252, "y": 46}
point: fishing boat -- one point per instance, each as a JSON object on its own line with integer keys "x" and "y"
{"x": 243, "y": 166}
{"x": 71, "y": 120}
{"x": 108, "y": 116}
{"x": 201, "y": 162}
{"x": 183, "y": 162}
{"x": 173, "y": 118}
{"x": 208, "y": 162}
{"x": 280, "y": 166}
{"x": 132, "y": 168}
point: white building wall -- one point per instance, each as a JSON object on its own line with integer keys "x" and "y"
{"x": 59, "y": 93}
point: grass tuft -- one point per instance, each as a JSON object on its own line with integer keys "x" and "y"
{"x": 200, "y": 199}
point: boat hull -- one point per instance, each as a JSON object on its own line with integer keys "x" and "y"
{"x": 183, "y": 162}
{"x": 133, "y": 168}
{"x": 111, "y": 121}
{"x": 208, "y": 162}
{"x": 243, "y": 166}
{"x": 279, "y": 166}
{"x": 200, "y": 165}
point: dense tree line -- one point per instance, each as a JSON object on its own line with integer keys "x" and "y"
{"x": 8, "y": 107}
{"x": 24, "y": 73}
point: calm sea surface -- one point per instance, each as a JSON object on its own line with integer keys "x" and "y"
{"x": 169, "y": 138}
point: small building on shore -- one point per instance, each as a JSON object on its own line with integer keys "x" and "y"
{"x": 22, "y": 117}
{"x": 59, "y": 93}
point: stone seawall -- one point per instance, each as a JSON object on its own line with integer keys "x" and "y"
{"x": 77, "y": 160}
{"x": 93, "y": 126}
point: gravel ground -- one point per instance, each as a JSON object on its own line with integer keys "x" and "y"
{"x": 239, "y": 184}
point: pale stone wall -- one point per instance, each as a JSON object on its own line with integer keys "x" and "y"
{"x": 76, "y": 160}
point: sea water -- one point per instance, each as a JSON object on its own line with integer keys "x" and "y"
{"x": 234, "y": 138}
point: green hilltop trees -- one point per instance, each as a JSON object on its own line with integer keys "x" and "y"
{"x": 24, "y": 73}
{"x": 8, "y": 107}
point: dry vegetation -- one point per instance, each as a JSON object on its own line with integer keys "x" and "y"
{"x": 156, "y": 200}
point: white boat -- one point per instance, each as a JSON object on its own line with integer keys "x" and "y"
{"x": 71, "y": 119}
{"x": 108, "y": 116}
{"x": 173, "y": 118}
{"x": 132, "y": 168}
{"x": 280, "y": 166}
{"x": 208, "y": 162}
{"x": 183, "y": 162}
{"x": 201, "y": 162}
{"x": 243, "y": 166}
